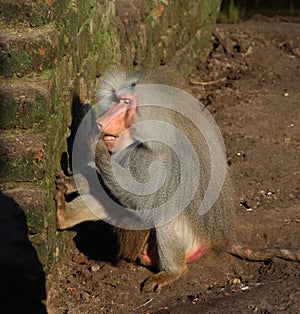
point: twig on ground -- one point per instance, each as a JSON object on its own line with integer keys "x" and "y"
{"x": 208, "y": 83}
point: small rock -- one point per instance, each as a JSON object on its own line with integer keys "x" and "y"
{"x": 79, "y": 259}
{"x": 95, "y": 267}
{"x": 235, "y": 281}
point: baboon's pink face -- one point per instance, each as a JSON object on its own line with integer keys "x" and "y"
{"x": 117, "y": 120}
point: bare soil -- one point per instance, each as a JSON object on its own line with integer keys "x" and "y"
{"x": 251, "y": 84}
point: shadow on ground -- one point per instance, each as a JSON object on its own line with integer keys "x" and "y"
{"x": 22, "y": 286}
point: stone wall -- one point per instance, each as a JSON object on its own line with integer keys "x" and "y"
{"x": 52, "y": 53}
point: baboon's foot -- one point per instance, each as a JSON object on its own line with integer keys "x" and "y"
{"x": 157, "y": 281}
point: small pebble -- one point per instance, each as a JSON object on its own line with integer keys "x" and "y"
{"x": 235, "y": 281}
{"x": 79, "y": 259}
{"x": 95, "y": 267}
{"x": 244, "y": 288}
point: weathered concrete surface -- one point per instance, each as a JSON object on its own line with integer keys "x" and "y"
{"x": 52, "y": 53}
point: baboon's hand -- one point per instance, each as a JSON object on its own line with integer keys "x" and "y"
{"x": 65, "y": 184}
{"x": 60, "y": 181}
{"x": 101, "y": 154}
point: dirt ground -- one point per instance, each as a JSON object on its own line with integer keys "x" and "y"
{"x": 253, "y": 91}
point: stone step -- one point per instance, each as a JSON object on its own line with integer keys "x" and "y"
{"x": 32, "y": 200}
{"x": 26, "y": 13}
{"x": 22, "y": 155}
{"x": 24, "y": 104}
{"x": 27, "y": 52}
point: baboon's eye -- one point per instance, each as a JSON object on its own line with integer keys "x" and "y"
{"x": 115, "y": 98}
{"x": 127, "y": 101}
